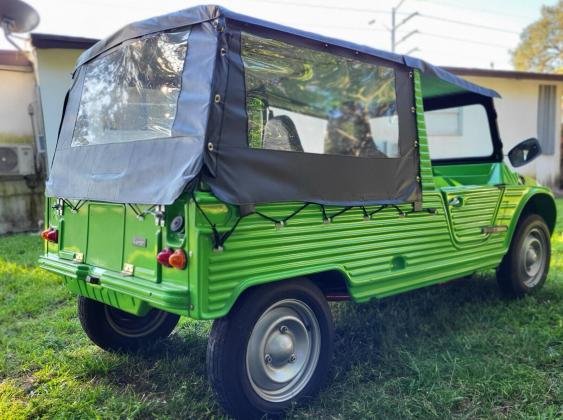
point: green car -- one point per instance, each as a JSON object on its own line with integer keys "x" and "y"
{"x": 219, "y": 167}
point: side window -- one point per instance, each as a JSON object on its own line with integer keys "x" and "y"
{"x": 459, "y": 132}
{"x": 304, "y": 100}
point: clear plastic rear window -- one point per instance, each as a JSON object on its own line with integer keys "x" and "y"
{"x": 132, "y": 92}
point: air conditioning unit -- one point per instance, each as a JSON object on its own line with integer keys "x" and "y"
{"x": 16, "y": 160}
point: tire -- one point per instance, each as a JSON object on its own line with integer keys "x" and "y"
{"x": 524, "y": 268}
{"x": 116, "y": 330}
{"x": 283, "y": 329}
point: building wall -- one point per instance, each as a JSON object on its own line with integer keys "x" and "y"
{"x": 17, "y": 92}
{"x": 21, "y": 200}
{"x": 517, "y": 120}
{"x": 54, "y": 75}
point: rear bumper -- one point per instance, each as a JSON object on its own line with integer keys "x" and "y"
{"x": 128, "y": 293}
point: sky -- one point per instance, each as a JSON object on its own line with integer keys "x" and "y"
{"x": 462, "y": 33}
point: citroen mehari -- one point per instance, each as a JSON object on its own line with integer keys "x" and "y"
{"x": 216, "y": 166}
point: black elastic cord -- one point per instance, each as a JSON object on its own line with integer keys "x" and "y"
{"x": 377, "y": 210}
{"x": 140, "y": 214}
{"x": 401, "y": 212}
{"x": 285, "y": 219}
{"x": 271, "y": 219}
{"x": 74, "y": 208}
{"x": 216, "y": 234}
{"x": 338, "y": 213}
{"x": 220, "y": 239}
{"x": 296, "y": 212}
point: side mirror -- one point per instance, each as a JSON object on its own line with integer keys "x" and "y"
{"x": 524, "y": 152}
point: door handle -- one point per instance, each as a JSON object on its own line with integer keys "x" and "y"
{"x": 455, "y": 202}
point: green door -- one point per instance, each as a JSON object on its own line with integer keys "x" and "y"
{"x": 472, "y": 211}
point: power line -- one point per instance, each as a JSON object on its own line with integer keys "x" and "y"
{"x": 394, "y": 10}
{"x": 459, "y": 22}
{"x": 395, "y": 26}
{"x": 450, "y": 38}
{"x": 323, "y": 6}
{"x": 476, "y": 9}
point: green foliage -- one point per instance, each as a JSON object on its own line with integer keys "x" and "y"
{"x": 455, "y": 350}
{"x": 541, "y": 43}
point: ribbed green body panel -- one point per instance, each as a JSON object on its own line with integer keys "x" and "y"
{"x": 378, "y": 257}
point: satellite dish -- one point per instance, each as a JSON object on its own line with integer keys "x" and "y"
{"x": 17, "y": 16}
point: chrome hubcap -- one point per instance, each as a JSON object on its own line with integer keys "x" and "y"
{"x": 533, "y": 257}
{"x": 283, "y": 350}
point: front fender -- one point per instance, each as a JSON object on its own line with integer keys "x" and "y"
{"x": 537, "y": 200}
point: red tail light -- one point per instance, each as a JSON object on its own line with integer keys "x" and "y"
{"x": 178, "y": 259}
{"x": 171, "y": 258}
{"x": 163, "y": 256}
{"x": 51, "y": 235}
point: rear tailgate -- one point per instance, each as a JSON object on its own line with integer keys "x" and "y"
{"x": 111, "y": 236}
{"x": 117, "y": 244}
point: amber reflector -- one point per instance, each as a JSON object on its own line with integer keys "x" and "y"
{"x": 178, "y": 259}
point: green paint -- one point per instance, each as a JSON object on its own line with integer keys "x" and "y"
{"x": 386, "y": 255}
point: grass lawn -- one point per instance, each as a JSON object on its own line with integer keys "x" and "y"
{"x": 455, "y": 350}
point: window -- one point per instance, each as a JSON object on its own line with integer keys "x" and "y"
{"x": 547, "y": 104}
{"x": 131, "y": 93}
{"x": 459, "y": 132}
{"x": 303, "y": 100}
{"x": 445, "y": 122}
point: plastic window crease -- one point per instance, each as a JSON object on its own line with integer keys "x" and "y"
{"x": 304, "y": 100}
{"x": 131, "y": 93}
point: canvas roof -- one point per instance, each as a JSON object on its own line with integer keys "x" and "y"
{"x": 440, "y": 80}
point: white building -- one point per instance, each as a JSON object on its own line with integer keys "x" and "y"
{"x": 530, "y": 106}
{"x": 21, "y": 191}
{"x": 55, "y": 57}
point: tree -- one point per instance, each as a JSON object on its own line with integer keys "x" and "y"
{"x": 541, "y": 43}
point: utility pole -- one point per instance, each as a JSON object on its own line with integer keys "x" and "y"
{"x": 395, "y": 26}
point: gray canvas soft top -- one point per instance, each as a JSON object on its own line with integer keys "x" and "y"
{"x": 206, "y": 135}
{"x": 205, "y": 13}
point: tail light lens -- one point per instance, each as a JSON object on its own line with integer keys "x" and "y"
{"x": 178, "y": 259}
{"x": 163, "y": 256}
{"x": 51, "y": 235}
{"x": 170, "y": 258}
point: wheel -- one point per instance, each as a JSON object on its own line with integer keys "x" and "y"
{"x": 271, "y": 350}
{"x": 524, "y": 268}
{"x": 116, "y": 330}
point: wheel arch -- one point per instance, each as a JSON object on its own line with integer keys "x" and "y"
{"x": 334, "y": 283}
{"x": 540, "y": 203}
